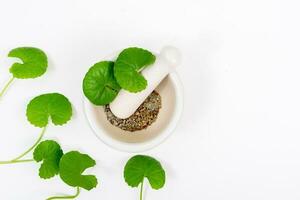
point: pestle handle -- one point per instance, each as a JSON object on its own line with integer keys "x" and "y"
{"x": 126, "y": 103}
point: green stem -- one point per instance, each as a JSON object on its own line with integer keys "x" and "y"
{"x": 66, "y": 197}
{"x": 33, "y": 146}
{"x": 141, "y": 191}
{"x": 15, "y": 161}
{"x": 6, "y": 86}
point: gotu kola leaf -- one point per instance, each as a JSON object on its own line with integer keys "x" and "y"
{"x": 53, "y": 105}
{"x": 71, "y": 167}
{"x": 50, "y": 153}
{"x": 139, "y": 167}
{"x": 34, "y": 62}
{"x": 127, "y": 68}
{"x": 99, "y": 83}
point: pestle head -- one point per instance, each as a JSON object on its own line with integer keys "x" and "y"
{"x": 172, "y": 55}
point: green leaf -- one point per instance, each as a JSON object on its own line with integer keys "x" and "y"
{"x": 99, "y": 83}
{"x": 71, "y": 167}
{"x": 128, "y": 65}
{"x": 50, "y": 153}
{"x": 34, "y": 62}
{"x": 53, "y": 105}
{"x": 139, "y": 167}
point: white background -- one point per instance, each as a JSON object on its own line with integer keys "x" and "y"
{"x": 239, "y": 135}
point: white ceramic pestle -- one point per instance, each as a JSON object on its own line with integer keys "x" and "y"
{"x": 126, "y": 103}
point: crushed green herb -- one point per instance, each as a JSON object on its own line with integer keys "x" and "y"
{"x": 143, "y": 117}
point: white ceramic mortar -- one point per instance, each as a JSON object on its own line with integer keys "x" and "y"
{"x": 171, "y": 93}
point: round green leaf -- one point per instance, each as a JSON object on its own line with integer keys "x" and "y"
{"x": 128, "y": 66}
{"x": 34, "y": 62}
{"x": 99, "y": 83}
{"x": 139, "y": 167}
{"x": 71, "y": 167}
{"x": 53, "y": 105}
{"x": 50, "y": 153}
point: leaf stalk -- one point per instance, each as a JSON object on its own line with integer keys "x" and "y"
{"x": 17, "y": 159}
{"x": 141, "y": 191}
{"x": 6, "y": 86}
{"x": 66, "y": 197}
